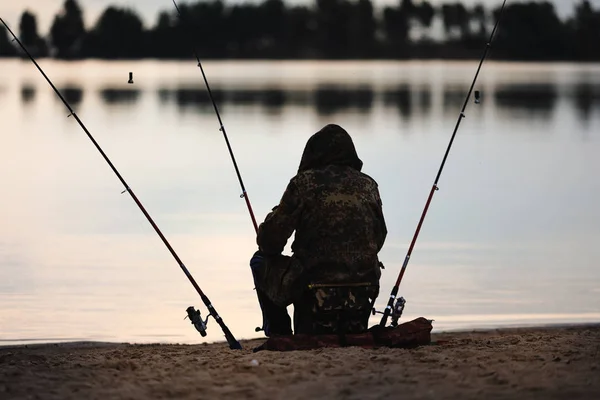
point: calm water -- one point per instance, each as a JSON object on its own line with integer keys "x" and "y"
{"x": 511, "y": 237}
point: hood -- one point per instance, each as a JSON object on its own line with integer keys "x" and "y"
{"x": 332, "y": 145}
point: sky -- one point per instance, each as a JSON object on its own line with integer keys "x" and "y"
{"x": 45, "y": 10}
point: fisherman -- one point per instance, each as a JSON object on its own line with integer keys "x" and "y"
{"x": 336, "y": 212}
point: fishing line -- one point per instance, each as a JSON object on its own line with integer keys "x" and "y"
{"x": 222, "y": 129}
{"x": 395, "y": 305}
{"x": 193, "y": 314}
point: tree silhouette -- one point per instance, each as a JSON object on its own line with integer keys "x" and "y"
{"x": 206, "y": 23}
{"x": 67, "y": 31}
{"x": 326, "y": 29}
{"x": 396, "y": 25}
{"x": 167, "y": 39}
{"x": 6, "y": 47}
{"x": 456, "y": 20}
{"x": 474, "y": 32}
{"x": 333, "y": 18}
{"x": 533, "y": 31}
{"x": 424, "y": 14}
{"x": 272, "y": 20}
{"x": 244, "y": 31}
{"x": 479, "y": 17}
{"x": 118, "y": 34}
{"x": 29, "y": 35}
{"x": 363, "y": 30}
{"x": 300, "y": 33}
{"x": 585, "y": 25}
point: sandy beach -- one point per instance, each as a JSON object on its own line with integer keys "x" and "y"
{"x": 518, "y": 363}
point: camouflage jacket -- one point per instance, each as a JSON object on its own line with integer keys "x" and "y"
{"x": 335, "y": 210}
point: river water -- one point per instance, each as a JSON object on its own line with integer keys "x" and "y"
{"x": 511, "y": 237}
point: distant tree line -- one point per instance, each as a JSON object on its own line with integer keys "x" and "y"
{"x": 329, "y": 29}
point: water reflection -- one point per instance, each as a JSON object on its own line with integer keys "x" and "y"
{"x": 119, "y": 96}
{"x": 270, "y": 98}
{"x": 587, "y": 98}
{"x": 72, "y": 94}
{"x": 93, "y": 260}
{"x": 537, "y": 100}
{"x": 3, "y": 91}
{"x": 190, "y": 98}
{"x": 424, "y": 96}
{"x": 274, "y": 98}
{"x": 399, "y": 97}
{"x": 327, "y": 99}
{"x": 454, "y": 98}
{"x": 27, "y": 94}
{"x": 534, "y": 98}
{"x": 330, "y": 99}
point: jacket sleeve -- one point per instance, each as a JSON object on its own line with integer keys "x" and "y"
{"x": 381, "y": 227}
{"x": 281, "y": 222}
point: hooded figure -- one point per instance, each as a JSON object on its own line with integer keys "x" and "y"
{"x": 336, "y": 213}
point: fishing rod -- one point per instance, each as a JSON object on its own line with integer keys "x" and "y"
{"x": 194, "y": 315}
{"x": 395, "y": 305}
{"x": 222, "y": 129}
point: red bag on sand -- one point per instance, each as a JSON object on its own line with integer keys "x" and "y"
{"x": 409, "y": 334}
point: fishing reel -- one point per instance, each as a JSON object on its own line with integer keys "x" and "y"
{"x": 397, "y": 309}
{"x": 196, "y": 319}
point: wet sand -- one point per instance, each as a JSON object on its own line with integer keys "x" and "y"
{"x": 522, "y": 363}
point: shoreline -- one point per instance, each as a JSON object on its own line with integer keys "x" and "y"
{"x": 549, "y": 362}
{"x": 86, "y": 343}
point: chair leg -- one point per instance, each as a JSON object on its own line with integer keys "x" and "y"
{"x": 302, "y": 319}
